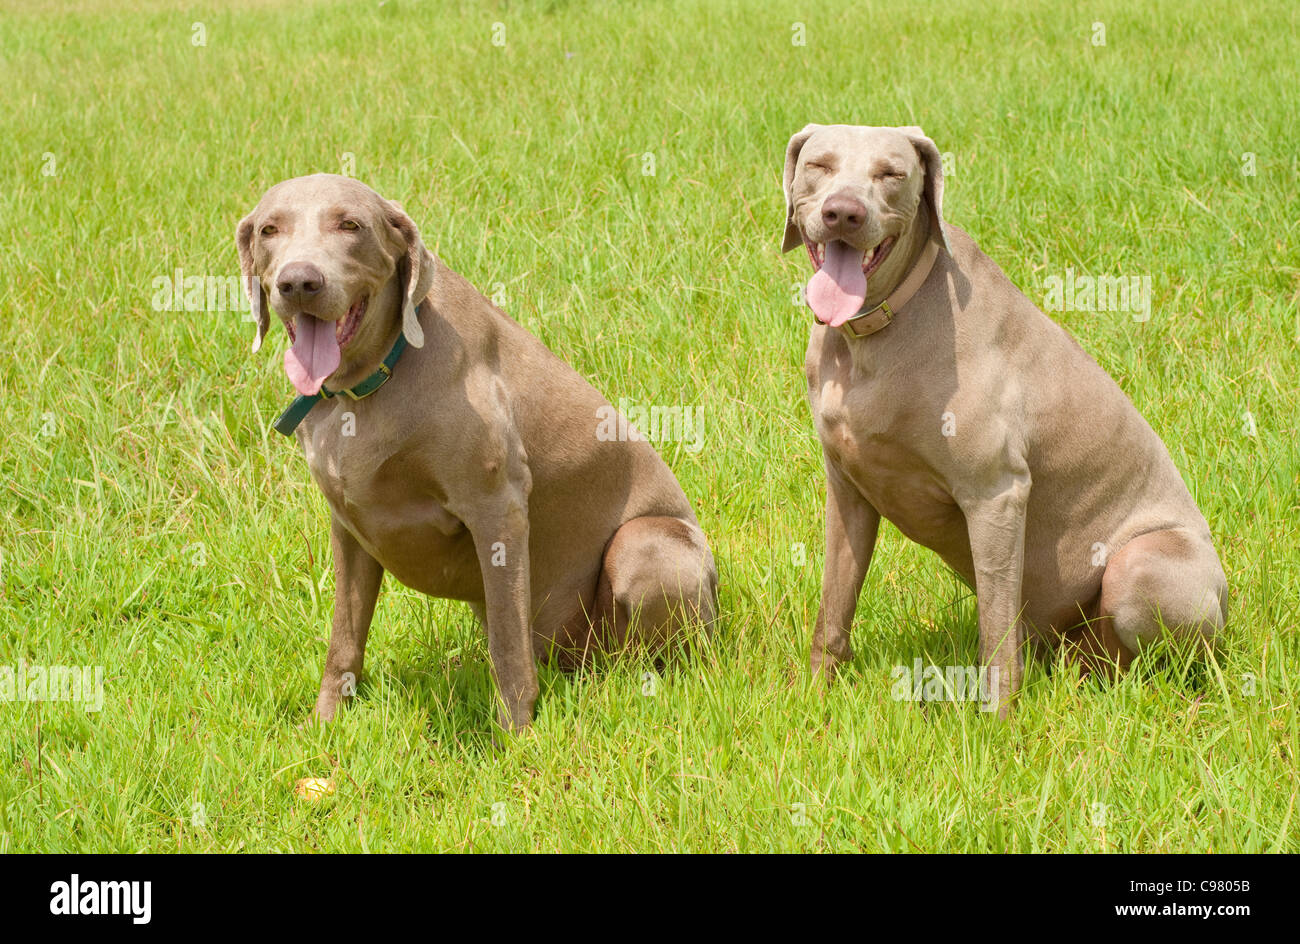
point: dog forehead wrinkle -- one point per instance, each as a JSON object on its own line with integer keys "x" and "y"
{"x": 270, "y": 215}
{"x": 327, "y": 191}
{"x": 339, "y": 211}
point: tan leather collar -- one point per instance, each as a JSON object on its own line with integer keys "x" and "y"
{"x": 866, "y": 323}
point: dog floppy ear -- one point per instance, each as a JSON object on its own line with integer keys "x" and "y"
{"x": 792, "y": 237}
{"x": 933, "y": 181}
{"x": 252, "y": 284}
{"x": 414, "y": 270}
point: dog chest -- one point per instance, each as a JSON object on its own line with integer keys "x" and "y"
{"x": 871, "y": 437}
{"x": 393, "y": 507}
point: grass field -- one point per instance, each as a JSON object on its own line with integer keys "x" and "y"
{"x": 152, "y": 524}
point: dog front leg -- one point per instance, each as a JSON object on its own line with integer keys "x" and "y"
{"x": 852, "y": 524}
{"x": 996, "y": 525}
{"x": 501, "y": 540}
{"x": 357, "y": 577}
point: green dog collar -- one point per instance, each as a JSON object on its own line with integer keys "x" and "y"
{"x": 288, "y": 420}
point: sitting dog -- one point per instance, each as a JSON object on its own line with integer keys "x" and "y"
{"x": 459, "y": 454}
{"x": 948, "y": 403}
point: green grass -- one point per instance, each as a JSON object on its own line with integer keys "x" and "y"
{"x": 152, "y": 524}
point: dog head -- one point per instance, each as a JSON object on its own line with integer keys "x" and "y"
{"x": 341, "y": 267}
{"x": 850, "y": 193}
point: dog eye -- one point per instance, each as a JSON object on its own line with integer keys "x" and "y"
{"x": 350, "y": 226}
{"x": 268, "y": 230}
{"x": 812, "y": 165}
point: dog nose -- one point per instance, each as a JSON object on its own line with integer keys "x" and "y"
{"x": 300, "y": 280}
{"x": 843, "y": 213}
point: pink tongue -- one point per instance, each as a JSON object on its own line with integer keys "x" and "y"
{"x": 314, "y": 355}
{"x": 837, "y": 291}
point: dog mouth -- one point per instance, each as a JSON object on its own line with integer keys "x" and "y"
{"x": 871, "y": 260}
{"x": 344, "y": 328}
{"x": 317, "y": 346}
{"x": 838, "y": 289}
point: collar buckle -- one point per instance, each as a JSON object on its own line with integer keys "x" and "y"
{"x": 371, "y": 383}
{"x": 867, "y": 323}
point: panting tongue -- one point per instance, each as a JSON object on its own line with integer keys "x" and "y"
{"x": 314, "y": 355}
{"x": 837, "y": 291}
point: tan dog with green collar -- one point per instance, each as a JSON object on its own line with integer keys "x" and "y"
{"x": 473, "y": 469}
